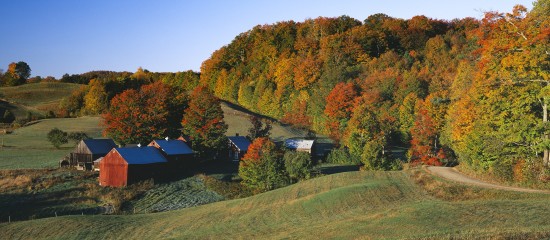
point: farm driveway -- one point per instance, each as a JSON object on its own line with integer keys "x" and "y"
{"x": 453, "y": 175}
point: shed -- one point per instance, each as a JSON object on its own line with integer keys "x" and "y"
{"x": 176, "y": 151}
{"x": 238, "y": 146}
{"x": 300, "y": 145}
{"x": 96, "y": 164}
{"x": 88, "y": 150}
{"x": 125, "y": 166}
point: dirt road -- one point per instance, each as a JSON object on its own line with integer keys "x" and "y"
{"x": 453, "y": 175}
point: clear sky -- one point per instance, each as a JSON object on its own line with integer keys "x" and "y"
{"x": 76, "y": 36}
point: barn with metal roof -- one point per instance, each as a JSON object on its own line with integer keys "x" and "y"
{"x": 238, "y": 146}
{"x": 88, "y": 150}
{"x": 124, "y": 166}
{"x": 177, "y": 152}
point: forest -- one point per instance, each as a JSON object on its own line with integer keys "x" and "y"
{"x": 466, "y": 90}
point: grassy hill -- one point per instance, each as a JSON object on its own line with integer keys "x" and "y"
{"x": 28, "y": 147}
{"x": 37, "y": 98}
{"x": 346, "y": 205}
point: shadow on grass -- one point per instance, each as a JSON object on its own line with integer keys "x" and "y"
{"x": 327, "y": 170}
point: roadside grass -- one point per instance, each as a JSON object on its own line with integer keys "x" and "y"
{"x": 28, "y": 147}
{"x": 345, "y": 205}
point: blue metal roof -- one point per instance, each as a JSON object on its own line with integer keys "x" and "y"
{"x": 174, "y": 147}
{"x": 241, "y": 142}
{"x": 99, "y": 146}
{"x": 141, "y": 155}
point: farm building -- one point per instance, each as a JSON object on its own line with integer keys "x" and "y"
{"x": 176, "y": 151}
{"x": 300, "y": 145}
{"x": 124, "y": 166}
{"x": 238, "y": 146}
{"x": 88, "y": 150}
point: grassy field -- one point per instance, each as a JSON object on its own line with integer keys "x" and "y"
{"x": 405, "y": 204}
{"x": 28, "y": 147}
{"x": 36, "y": 97}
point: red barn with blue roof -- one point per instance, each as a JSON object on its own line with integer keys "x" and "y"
{"x": 125, "y": 166}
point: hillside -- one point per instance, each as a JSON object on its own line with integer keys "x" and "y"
{"x": 346, "y": 205}
{"x": 35, "y": 97}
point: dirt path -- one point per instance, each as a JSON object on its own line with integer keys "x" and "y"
{"x": 453, "y": 175}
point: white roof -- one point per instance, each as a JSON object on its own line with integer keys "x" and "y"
{"x": 299, "y": 143}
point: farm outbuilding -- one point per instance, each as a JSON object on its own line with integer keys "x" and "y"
{"x": 238, "y": 146}
{"x": 86, "y": 152}
{"x": 125, "y": 166}
{"x": 176, "y": 152}
{"x": 300, "y": 145}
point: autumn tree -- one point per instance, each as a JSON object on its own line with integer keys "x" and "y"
{"x": 17, "y": 74}
{"x": 340, "y": 103}
{"x": 95, "y": 100}
{"x": 203, "y": 123}
{"x": 153, "y": 112}
{"x": 424, "y": 137}
{"x": 262, "y": 168}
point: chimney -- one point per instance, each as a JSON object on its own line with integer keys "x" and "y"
{"x": 237, "y": 134}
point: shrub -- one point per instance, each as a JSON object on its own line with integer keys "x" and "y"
{"x": 57, "y": 137}
{"x": 77, "y": 136}
{"x": 298, "y": 165}
{"x": 262, "y": 168}
{"x": 342, "y": 156}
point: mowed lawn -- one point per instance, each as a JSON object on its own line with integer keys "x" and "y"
{"x": 28, "y": 147}
{"x": 370, "y": 205}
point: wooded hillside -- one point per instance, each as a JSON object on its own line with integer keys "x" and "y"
{"x": 474, "y": 89}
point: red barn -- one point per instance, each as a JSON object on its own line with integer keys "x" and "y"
{"x": 124, "y": 166}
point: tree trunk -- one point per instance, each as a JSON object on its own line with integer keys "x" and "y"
{"x": 545, "y": 158}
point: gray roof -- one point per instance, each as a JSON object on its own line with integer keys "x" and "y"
{"x": 174, "y": 147}
{"x": 142, "y": 155}
{"x": 241, "y": 142}
{"x": 99, "y": 146}
{"x": 299, "y": 143}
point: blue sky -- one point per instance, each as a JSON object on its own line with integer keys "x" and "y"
{"x": 68, "y": 36}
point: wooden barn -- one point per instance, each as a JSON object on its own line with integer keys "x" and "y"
{"x": 125, "y": 166}
{"x": 238, "y": 146}
{"x": 176, "y": 152}
{"x": 300, "y": 145}
{"x": 86, "y": 152}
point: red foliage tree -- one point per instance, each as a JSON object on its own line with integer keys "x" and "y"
{"x": 340, "y": 104}
{"x": 424, "y": 136}
{"x": 140, "y": 116}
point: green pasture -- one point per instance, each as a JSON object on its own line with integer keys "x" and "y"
{"x": 28, "y": 147}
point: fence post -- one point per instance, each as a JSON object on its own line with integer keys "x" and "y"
{"x": 9, "y": 219}
{"x": 55, "y": 214}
